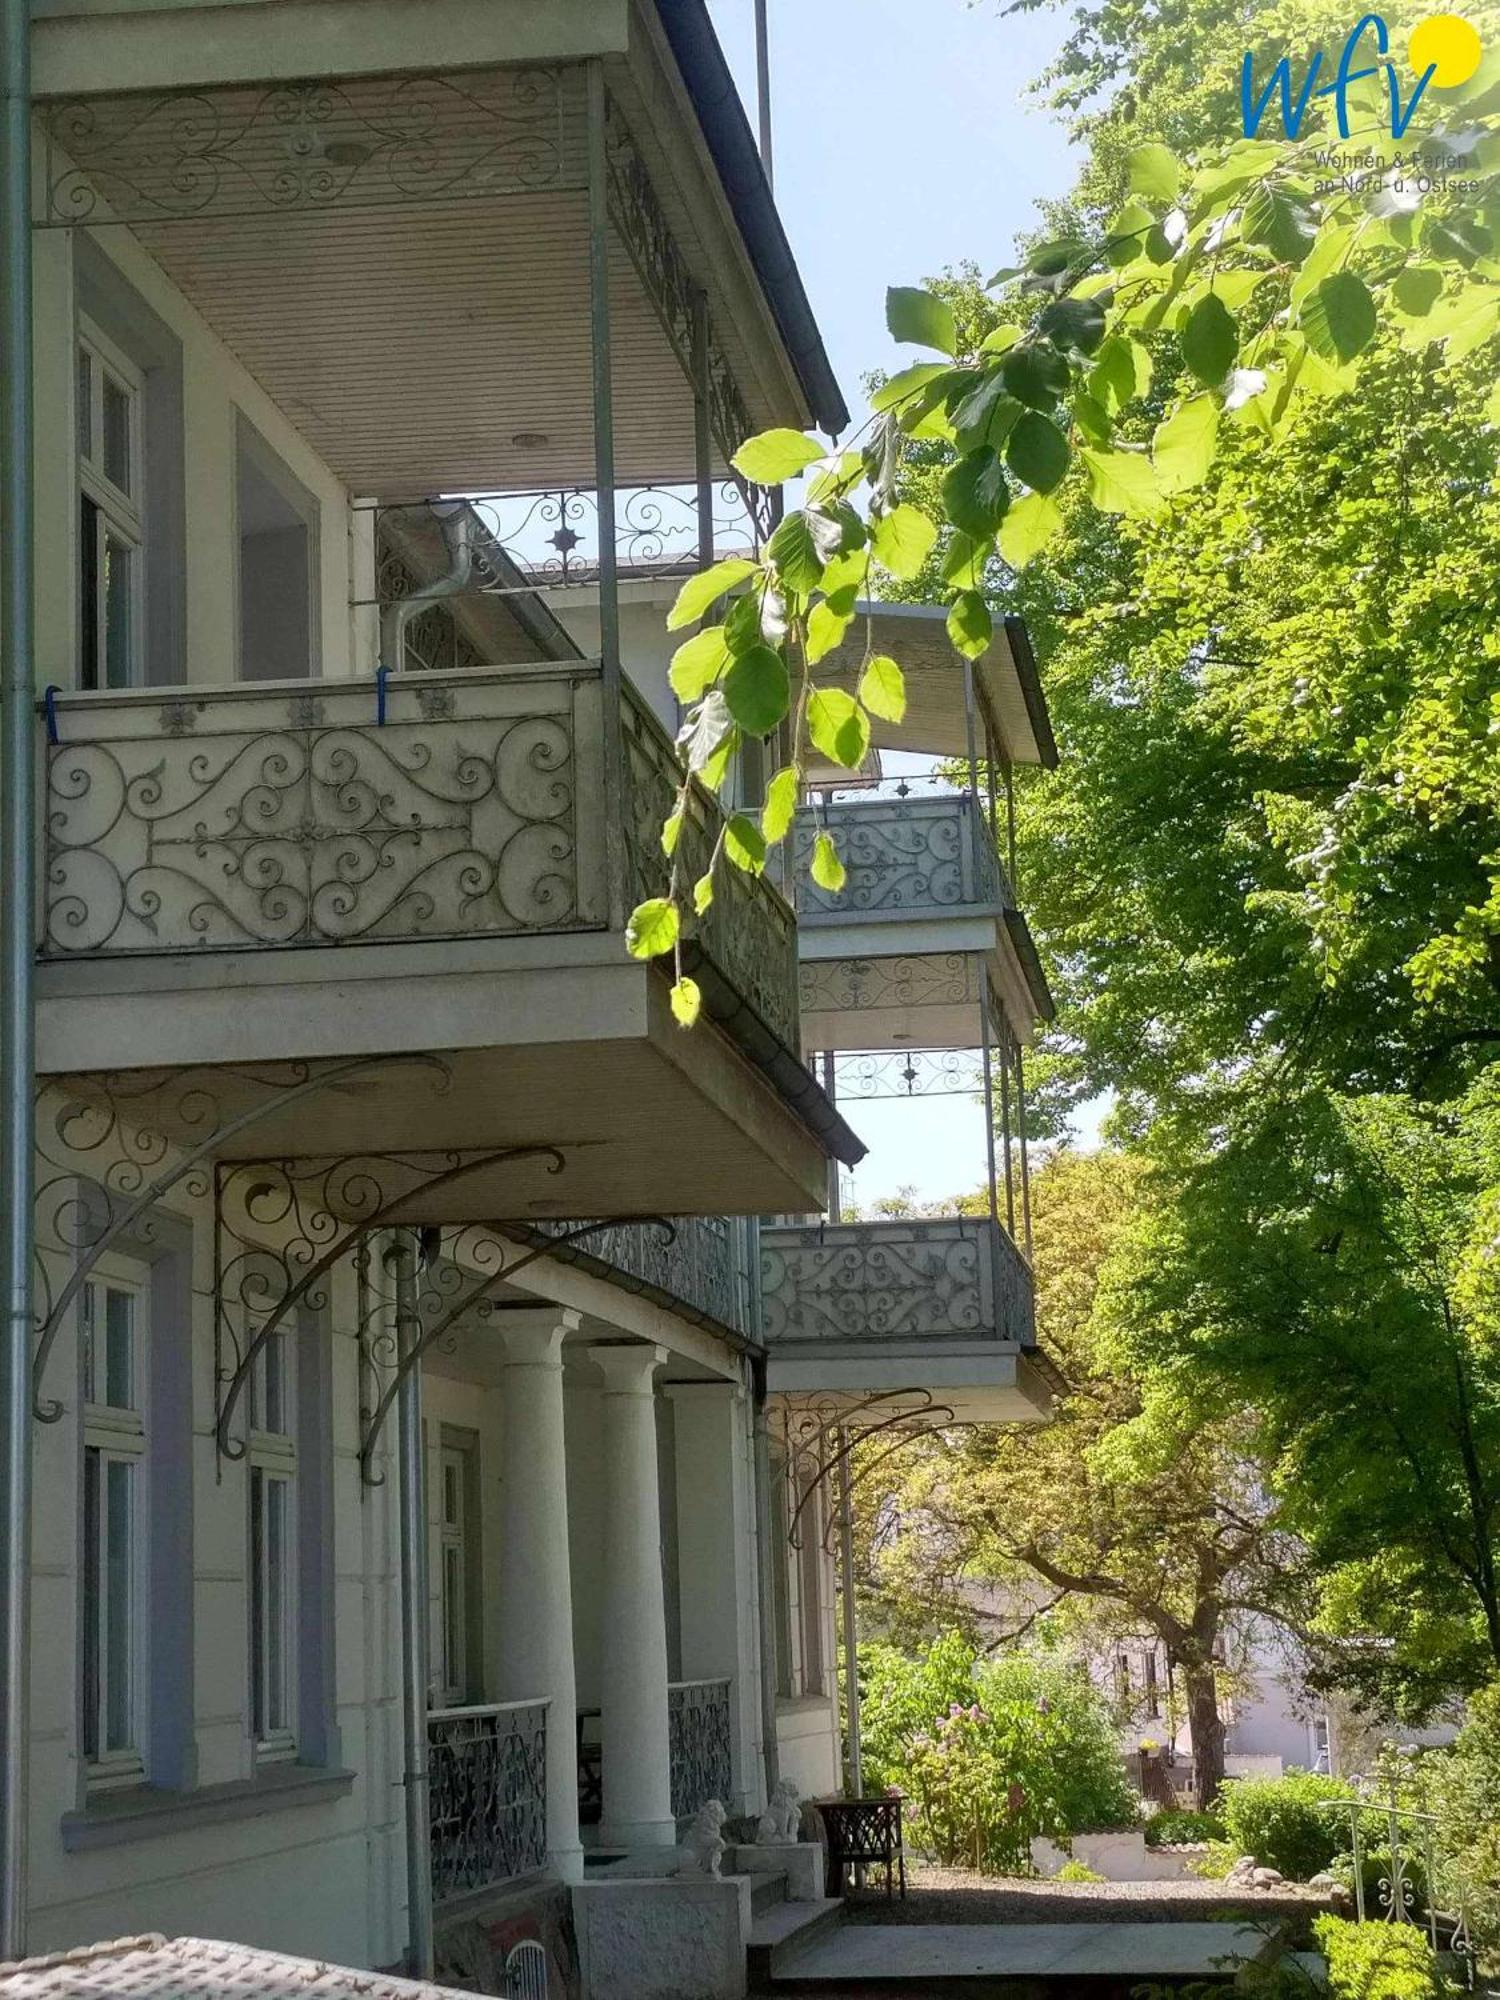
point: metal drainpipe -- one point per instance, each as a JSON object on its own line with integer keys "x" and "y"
{"x": 770, "y": 1754}
{"x": 17, "y": 1048}
{"x": 763, "y": 87}
{"x": 851, "y": 1620}
{"x": 457, "y": 525}
{"x": 401, "y": 1259}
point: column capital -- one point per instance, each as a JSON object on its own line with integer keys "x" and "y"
{"x": 534, "y": 1338}
{"x": 628, "y": 1366}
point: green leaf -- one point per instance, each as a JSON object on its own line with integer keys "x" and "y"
{"x": 1120, "y": 374}
{"x": 1210, "y": 340}
{"x": 826, "y": 868}
{"x": 1036, "y": 375}
{"x": 975, "y": 493}
{"x": 964, "y": 560}
{"x": 827, "y": 623}
{"x": 704, "y": 730}
{"x": 772, "y": 456}
{"x": 850, "y": 571}
{"x": 882, "y": 688}
{"x": 780, "y": 808}
{"x": 800, "y": 547}
{"x": 900, "y": 388}
{"x": 671, "y": 831}
{"x": 920, "y": 317}
{"x": 970, "y": 625}
{"x": 1026, "y": 530}
{"x": 1127, "y": 235}
{"x": 1416, "y": 290}
{"x": 1076, "y": 325}
{"x": 744, "y": 844}
{"x": 1154, "y": 172}
{"x": 1037, "y": 452}
{"x": 1339, "y": 318}
{"x": 706, "y": 588}
{"x": 1000, "y": 339}
{"x": 838, "y": 726}
{"x": 687, "y": 1002}
{"x": 1048, "y": 260}
{"x": 757, "y": 690}
{"x": 703, "y": 893}
{"x": 1122, "y": 482}
{"x": 1285, "y": 225}
{"x": 652, "y": 929}
{"x": 1092, "y": 418}
{"x": 1183, "y": 448}
{"x": 1456, "y": 239}
{"x": 698, "y": 663}
{"x": 902, "y": 540}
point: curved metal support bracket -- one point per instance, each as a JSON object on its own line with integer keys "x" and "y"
{"x": 194, "y": 1107}
{"x": 386, "y": 1205}
{"x": 467, "y": 1303}
{"x": 844, "y": 1428}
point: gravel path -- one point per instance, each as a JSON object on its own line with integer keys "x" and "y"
{"x": 958, "y": 1896}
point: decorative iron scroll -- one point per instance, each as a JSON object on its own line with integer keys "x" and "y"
{"x": 487, "y": 1774}
{"x": 702, "y": 1757}
{"x": 694, "y": 1260}
{"x": 233, "y": 819}
{"x": 934, "y": 979}
{"x": 354, "y": 143}
{"x": 1402, "y": 1864}
{"x": 873, "y": 1074}
{"x": 826, "y": 1437}
{"x": 873, "y": 1281}
{"x": 112, "y": 1146}
{"x": 748, "y": 932}
{"x": 901, "y": 855}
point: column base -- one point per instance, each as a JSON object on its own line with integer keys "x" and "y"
{"x": 635, "y": 1833}
{"x": 566, "y": 1863}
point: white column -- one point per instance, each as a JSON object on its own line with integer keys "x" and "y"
{"x": 637, "y": 1751}
{"x": 536, "y": 1592}
{"x": 716, "y": 1562}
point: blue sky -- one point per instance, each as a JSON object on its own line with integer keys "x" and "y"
{"x": 896, "y": 154}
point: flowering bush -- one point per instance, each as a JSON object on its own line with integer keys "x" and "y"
{"x": 990, "y": 1753}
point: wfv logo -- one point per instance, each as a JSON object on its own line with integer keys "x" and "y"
{"x": 1444, "y": 50}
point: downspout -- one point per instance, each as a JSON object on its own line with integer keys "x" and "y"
{"x": 402, "y": 1262}
{"x": 456, "y": 520}
{"x": 854, "y": 1762}
{"x": 766, "y": 1623}
{"x": 17, "y": 867}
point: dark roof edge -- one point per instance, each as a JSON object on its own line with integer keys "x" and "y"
{"x": 1031, "y": 963}
{"x": 1031, "y": 689}
{"x": 727, "y": 132}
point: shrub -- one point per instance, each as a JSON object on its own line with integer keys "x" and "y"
{"x": 991, "y": 1753}
{"x": 1379, "y": 1962}
{"x": 1375, "y": 1865}
{"x": 1172, "y": 1828}
{"x": 1077, "y": 1871}
{"x": 1465, "y": 1795}
{"x": 1284, "y": 1822}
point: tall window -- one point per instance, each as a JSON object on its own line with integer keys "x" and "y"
{"x": 273, "y": 1540}
{"x": 114, "y": 1467}
{"x": 454, "y": 1557}
{"x": 111, "y": 534}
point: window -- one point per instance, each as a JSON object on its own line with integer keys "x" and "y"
{"x": 781, "y": 1609}
{"x": 1153, "y": 1691}
{"x": 274, "y": 517}
{"x": 114, "y": 1334}
{"x": 273, "y": 1541}
{"x": 810, "y": 1593}
{"x": 453, "y": 1580}
{"x": 111, "y": 533}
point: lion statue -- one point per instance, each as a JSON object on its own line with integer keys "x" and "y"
{"x": 782, "y": 1819}
{"x": 705, "y": 1841}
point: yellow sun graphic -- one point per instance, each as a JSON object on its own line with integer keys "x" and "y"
{"x": 1449, "y": 46}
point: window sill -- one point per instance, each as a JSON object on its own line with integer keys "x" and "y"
{"x": 145, "y": 1812}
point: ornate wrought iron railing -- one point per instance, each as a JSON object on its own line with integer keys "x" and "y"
{"x": 477, "y": 802}
{"x": 702, "y": 1760}
{"x": 1403, "y": 1872}
{"x": 958, "y": 1278}
{"x": 698, "y": 1261}
{"x": 903, "y": 857}
{"x": 488, "y": 1772}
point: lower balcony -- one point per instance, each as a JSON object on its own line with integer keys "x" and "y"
{"x": 487, "y": 1771}
{"x": 868, "y": 1309}
{"x": 429, "y": 878}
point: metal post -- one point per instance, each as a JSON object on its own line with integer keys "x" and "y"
{"x": 17, "y": 1050}
{"x": 987, "y": 1060}
{"x": 1025, "y": 1169}
{"x": 766, "y": 1578}
{"x": 1010, "y": 1183}
{"x": 830, "y": 1091}
{"x": 763, "y": 86}
{"x": 851, "y": 1619}
{"x": 976, "y": 833}
{"x": 703, "y": 445}
{"x": 401, "y": 1258}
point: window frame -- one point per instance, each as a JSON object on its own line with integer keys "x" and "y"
{"x": 113, "y": 1434}
{"x": 117, "y": 511}
{"x": 272, "y": 1463}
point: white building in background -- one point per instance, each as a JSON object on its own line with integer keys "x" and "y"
{"x": 420, "y": 1517}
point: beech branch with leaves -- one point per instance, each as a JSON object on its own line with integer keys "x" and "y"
{"x": 1274, "y": 283}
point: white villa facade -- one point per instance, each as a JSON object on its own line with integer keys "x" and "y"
{"x": 436, "y": 1462}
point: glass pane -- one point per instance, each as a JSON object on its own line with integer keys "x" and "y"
{"x": 273, "y": 1415}
{"x": 92, "y": 1603}
{"x": 276, "y": 1580}
{"x": 119, "y": 1349}
{"x": 119, "y": 571}
{"x": 450, "y": 1494}
{"x": 88, "y": 1314}
{"x": 118, "y": 1604}
{"x": 85, "y": 403}
{"x": 257, "y": 1600}
{"x": 116, "y": 440}
{"x": 453, "y": 1674}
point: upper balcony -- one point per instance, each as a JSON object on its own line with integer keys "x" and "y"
{"x": 873, "y": 1309}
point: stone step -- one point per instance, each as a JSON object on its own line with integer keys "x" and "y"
{"x": 767, "y": 1891}
{"x": 781, "y": 1931}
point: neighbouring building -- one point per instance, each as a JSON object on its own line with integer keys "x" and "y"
{"x": 438, "y": 1460}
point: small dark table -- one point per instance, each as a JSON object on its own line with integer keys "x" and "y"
{"x": 864, "y": 1833}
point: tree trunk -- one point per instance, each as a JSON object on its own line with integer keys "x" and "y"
{"x": 1206, "y": 1731}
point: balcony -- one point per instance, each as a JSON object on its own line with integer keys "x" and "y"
{"x": 907, "y": 858}
{"x": 697, "y": 1265}
{"x": 437, "y": 867}
{"x": 874, "y": 1308}
{"x": 488, "y": 1773}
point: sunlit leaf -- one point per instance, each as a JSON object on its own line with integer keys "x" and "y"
{"x": 975, "y": 494}
{"x": 902, "y": 540}
{"x": 704, "y": 589}
{"x": 780, "y": 808}
{"x": 1032, "y": 522}
{"x": 745, "y": 844}
{"x": 757, "y": 690}
{"x": 920, "y": 317}
{"x": 1154, "y": 172}
{"x": 838, "y": 726}
{"x": 1338, "y": 317}
{"x": 687, "y": 1002}
{"x": 1210, "y": 340}
{"x": 652, "y": 929}
{"x": 698, "y": 663}
{"x": 1183, "y": 448}
{"x": 773, "y": 456}
{"x": 1122, "y": 482}
{"x": 826, "y": 868}
{"x": 882, "y": 688}
{"x": 970, "y": 624}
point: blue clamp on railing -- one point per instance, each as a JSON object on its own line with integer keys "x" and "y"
{"x": 382, "y": 678}
{"x": 49, "y": 704}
